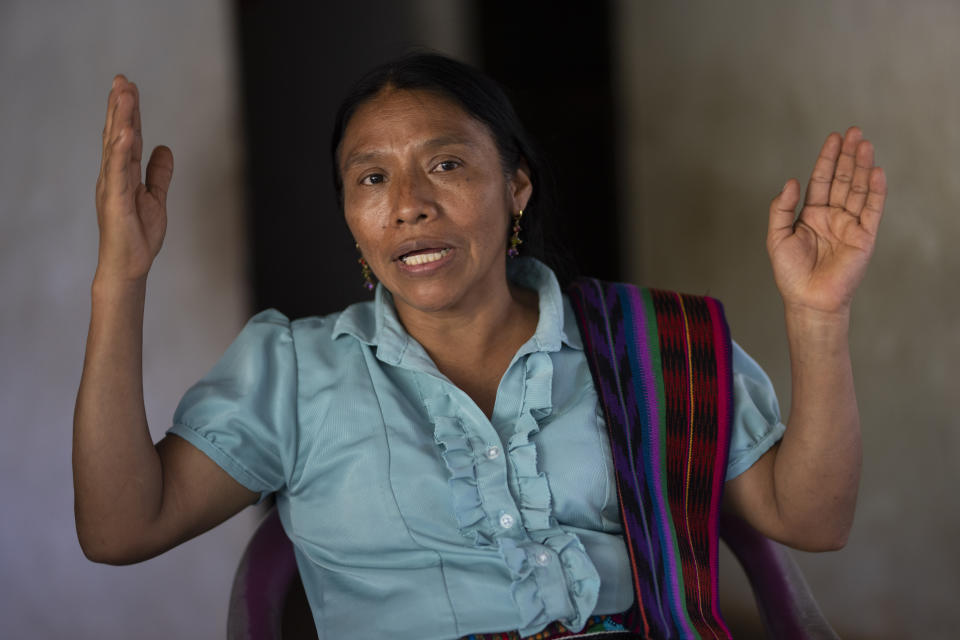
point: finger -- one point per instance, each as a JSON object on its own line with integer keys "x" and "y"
{"x": 118, "y": 117}
{"x": 115, "y": 169}
{"x": 119, "y": 81}
{"x": 818, "y": 190}
{"x": 783, "y": 210}
{"x": 114, "y": 150}
{"x": 118, "y": 142}
{"x": 122, "y": 119}
{"x": 135, "y": 90}
{"x": 136, "y": 149}
{"x": 108, "y": 134}
{"x": 843, "y": 175}
{"x": 160, "y": 173}
{"x": 861, "y": 179}
{"x": 875, "y": 199}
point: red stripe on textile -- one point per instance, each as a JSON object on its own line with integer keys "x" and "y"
{"x": 710, "y": 368}
{"x": 676, "y": 413}
{"x": 690, "y": 341}
{"x": 703, "y": 442}
{"x": 724, "y": 400}
{"x": 695, "y": 394}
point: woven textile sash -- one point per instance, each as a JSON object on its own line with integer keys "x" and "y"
{"x": 661, "y": 366}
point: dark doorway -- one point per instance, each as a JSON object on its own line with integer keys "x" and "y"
{"x": 297, "y": 60}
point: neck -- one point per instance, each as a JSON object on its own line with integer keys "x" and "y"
{"x": 478, "y": 327}
{"x": 472, "y": 345}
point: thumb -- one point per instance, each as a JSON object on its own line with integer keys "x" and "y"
{"x": 159, "y": 173}
{"x": 783, "y": 209}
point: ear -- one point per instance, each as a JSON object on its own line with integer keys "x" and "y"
{"x": 519, "y": 187}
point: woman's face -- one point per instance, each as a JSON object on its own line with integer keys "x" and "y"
{"x": 427, "y": 199}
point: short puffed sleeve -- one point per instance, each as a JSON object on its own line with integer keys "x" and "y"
{"x": 243, "y": 414}
{"x": 756, "y": 414}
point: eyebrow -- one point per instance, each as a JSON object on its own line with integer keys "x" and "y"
{"x": 361, "y": 157}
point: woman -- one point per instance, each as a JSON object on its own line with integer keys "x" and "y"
{"x": 421, "y": 443}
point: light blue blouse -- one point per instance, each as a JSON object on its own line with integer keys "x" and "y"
{"x": 412, "y": 514}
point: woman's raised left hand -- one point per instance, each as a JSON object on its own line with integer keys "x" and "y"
{"x": 803, "y": 491}
{"x": 820, "y": 256}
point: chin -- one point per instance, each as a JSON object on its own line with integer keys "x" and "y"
{"x": 427, "y": 297}
{"x": 432, "y": 302}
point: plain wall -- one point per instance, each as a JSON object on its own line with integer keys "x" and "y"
{"x": 57, "y": 60}
{"x": 721, "y": 103}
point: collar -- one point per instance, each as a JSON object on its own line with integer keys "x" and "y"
{"x": 376, "y": 323}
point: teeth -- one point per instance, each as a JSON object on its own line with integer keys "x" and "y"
{"x": 424, "y": 258}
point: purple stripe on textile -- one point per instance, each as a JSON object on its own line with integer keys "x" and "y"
{"x": 644, "y": 396}
{"x": 644, "y": 317}
{"x": 631, "y": 480}
{"x": 597, "y": 334}
{"x": 598, "y": 347}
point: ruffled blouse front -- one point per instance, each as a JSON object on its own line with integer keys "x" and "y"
{"x": 502, "y": 500}
{"x": 413, "y": 514}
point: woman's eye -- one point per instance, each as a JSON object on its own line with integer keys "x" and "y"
{"x": 447, "y": 165}
{"x": 373, "y": 178}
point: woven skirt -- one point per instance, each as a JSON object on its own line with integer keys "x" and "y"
{"x": 607, "y": 627}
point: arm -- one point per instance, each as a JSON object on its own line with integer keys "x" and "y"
{"x": 133, "y": 500}
{"x": 803, "y": 491}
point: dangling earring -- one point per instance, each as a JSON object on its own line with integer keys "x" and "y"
{"x": 515, "y": 240}
{"x": 365, "y": 271}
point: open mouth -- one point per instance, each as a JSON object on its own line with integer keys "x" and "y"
{"x": 424, "y": 256}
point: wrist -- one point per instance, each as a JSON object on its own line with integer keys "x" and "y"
{"x": 108, "y": 286}
{"x": 814, "y": 316}
{"x": 814, "y": 328}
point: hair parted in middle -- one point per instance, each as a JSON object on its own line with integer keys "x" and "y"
{"x": 483, "y": 99}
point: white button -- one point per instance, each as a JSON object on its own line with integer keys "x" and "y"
{"x": 493, "y": 453}
{"x": 506, "y": 521}
{"x": 542, "y": 558}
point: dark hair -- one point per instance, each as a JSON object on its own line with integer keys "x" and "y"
{"x": 483, "y": 99}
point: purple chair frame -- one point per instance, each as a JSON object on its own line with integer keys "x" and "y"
{"x": 266, "y": 583}
{"x": 266, "y": 576}
{"x": 786, "y": 604}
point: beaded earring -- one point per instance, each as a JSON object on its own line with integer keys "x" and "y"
{"x": 515, "y": 240}
{"x": 365, "y": 271}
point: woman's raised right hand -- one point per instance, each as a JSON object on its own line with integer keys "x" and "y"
{"x": 131, "y": 213}
{"x": 132, "y": 499}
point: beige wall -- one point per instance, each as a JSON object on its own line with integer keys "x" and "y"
{"x": 56, "y": 64}
{"x": 721, "y": 103}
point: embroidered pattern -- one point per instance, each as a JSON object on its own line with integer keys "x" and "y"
{"x": 610, "y": 627}
{"x": 661, "y": 362}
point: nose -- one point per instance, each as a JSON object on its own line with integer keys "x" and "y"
{"x": 413, "y": 198}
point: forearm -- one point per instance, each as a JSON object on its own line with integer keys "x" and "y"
{"x": 117, "y": 472}
{"x": 817, "y": 465}
{"x": 803, "y": 491}
{"x": 133, "y": 500}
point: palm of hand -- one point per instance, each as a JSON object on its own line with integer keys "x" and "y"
{"x": 151, "y": 218}
{"x": 820, "y": 257}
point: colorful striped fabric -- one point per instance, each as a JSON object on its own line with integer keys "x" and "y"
{"x": 661, "y": 365}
